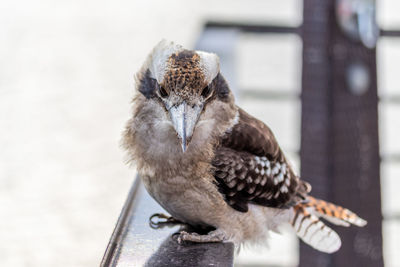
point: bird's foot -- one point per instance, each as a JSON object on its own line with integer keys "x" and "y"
{"x": 213, "y": 236}
{"x": 162, "y": 221}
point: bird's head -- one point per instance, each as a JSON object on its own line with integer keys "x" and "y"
{"x": 184, "y": 83}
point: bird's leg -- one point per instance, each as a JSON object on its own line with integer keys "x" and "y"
{"x": 213, "y": 236}
{"x": 163, "y": 221}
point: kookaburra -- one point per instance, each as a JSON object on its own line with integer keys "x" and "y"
{"x": 209, "y": 163}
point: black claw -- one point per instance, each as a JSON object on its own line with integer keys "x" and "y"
{"x": 168, "y": 221}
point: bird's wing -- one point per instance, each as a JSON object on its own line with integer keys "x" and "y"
{"x": 249, "y": 167}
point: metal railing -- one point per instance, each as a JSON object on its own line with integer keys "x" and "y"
{"x": 135, "y": 243}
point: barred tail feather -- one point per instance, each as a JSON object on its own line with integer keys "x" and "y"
{"x": 314, "y": 232}
{"x": 333, "y": 213}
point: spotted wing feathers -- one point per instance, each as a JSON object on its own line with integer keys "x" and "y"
{"x": 250, "y": 168}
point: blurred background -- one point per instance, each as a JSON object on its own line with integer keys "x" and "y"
{"x": 66, "y": 80}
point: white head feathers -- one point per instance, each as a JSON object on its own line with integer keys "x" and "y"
{"x": 158, "y": 59}
{"x": 209, "y": 64}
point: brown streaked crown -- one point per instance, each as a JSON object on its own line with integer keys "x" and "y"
{"x": 184, "y": 75}
{"x": 178, "y": 70}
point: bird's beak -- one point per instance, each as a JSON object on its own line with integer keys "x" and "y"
{"x": 184, "y": 119}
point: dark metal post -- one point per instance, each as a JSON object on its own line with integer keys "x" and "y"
{"x": 339, "y": 142}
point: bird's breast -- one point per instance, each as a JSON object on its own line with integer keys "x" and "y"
{"x": 191, "y": 202}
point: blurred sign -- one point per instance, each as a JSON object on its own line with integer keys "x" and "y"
{"x": 357, "y": 19}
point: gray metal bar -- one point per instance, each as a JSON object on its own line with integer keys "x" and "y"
{"x": 392, "y": 217}
{"x": 390, "y": 33}
{"x": 268, "y": 94}
{"x": 391, "y": 99}
{"x": 253, "y": 28}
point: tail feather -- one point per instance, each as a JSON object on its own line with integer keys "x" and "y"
{"x": 313, "y": 231}
{"x": 333, "y": 213}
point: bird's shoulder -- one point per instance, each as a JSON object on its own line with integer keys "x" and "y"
{"x": 250, "y": 167}
{"x": 251, "y": 135}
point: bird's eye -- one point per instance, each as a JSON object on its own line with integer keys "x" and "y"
{"x": 162, "y": 92}
{"x": 206, "y": 92}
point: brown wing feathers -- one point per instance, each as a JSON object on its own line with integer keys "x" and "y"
{"x": 251, "y": 168}
{"x": 252, "y": 136}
